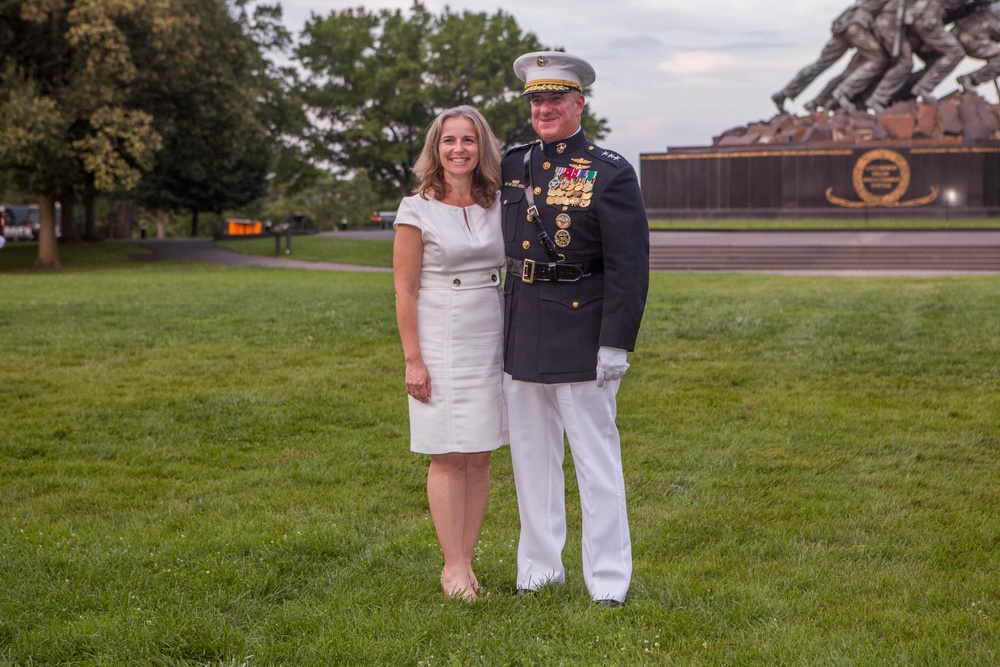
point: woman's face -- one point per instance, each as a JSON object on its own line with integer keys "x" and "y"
{"x": 459, "y": 148}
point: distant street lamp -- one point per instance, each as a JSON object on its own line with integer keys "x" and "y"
{"x": 950, "y": 199}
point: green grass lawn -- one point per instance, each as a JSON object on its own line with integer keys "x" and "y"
{"x": 205, "y": 465}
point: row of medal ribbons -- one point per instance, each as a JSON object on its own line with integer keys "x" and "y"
{"x": 571, "y": 187}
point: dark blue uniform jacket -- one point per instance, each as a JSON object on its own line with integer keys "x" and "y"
{"x": 591, "y": 206}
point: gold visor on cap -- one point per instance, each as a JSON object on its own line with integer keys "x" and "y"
{"x": 550, "y": 84}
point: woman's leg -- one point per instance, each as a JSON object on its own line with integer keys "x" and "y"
{"x": 446, "y": 494}
{"x": 477, "y": 495}
{"x": 458, "y": 489}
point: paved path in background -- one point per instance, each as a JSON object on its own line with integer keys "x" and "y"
{"x": 206, "y": 250}
{"x": 847, "y": 252}
{"x": 768, "y": 237}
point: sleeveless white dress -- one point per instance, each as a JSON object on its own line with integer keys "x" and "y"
{"x": 460, "y": 327}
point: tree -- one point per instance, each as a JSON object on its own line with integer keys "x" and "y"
{"x": 66, "y": 115}
{"x": 221, "y": 110}
{"x": 375, "y": 81}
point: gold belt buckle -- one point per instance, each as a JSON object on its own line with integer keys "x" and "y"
{"x": 528, "y": 271}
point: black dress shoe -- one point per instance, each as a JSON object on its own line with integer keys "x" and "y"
{"x": 610, "y": 603}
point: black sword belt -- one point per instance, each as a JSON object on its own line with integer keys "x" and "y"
{"x": 531, "y": 271}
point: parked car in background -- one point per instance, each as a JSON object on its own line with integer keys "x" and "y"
{"x": 20, "y": 223}
{"x": 383, "y": 219}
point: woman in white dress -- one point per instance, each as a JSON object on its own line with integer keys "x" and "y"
{"x": 447, "y": 256}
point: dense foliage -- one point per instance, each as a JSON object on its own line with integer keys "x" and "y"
{"x": 159, "y": 100}
{"x": 210, "y": 106}
{"x": 377, "y": 79}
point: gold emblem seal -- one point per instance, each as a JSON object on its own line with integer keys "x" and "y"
{"x": 562, "y": 238}
{"x": 881, "y": 178}
{"x": 563, "y": 220}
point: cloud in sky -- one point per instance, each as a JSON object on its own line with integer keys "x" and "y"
{"x": 669, "y": 72}
{"x": 687, "y": 63}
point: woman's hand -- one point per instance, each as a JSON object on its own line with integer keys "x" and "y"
{"x": 418, "y": 381}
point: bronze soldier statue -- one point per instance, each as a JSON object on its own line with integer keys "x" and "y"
{"x": 851, "y": 29}
{"x": 870, "y": 60}
{"x": 917, "y": 26}
{"x": 979, "y": 33}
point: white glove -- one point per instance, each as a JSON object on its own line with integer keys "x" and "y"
{"x": 611, "y": 364}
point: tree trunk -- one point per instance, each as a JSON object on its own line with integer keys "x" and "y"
{"x": 69, "y": 220}
{"x": 194, "y": 223}
{"x": 48, "y": 248}
{"x": 89, "y": 213}
{"x": 121, "y": 222}
{"x": 161, "y": 224}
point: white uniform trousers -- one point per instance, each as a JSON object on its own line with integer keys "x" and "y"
{"x": 538, "y": 415}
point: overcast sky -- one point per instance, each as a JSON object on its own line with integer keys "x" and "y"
{"x": 669, "y": 72}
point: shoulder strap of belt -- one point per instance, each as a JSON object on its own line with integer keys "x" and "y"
{"x": 533, "y": 216}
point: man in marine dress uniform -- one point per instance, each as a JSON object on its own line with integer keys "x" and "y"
{"x": 577, "y": 244}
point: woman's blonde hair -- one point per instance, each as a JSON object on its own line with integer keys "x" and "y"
{"x": 485, "y": 178}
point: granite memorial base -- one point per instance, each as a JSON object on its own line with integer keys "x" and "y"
{"x": 912, "y": 160}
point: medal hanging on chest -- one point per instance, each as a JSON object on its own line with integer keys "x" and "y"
{"x": 571, "y": 187}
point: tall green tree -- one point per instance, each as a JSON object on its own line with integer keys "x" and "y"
{"x": 66, "y": 111}
{"x": 375, "y": 81}
{"x": 222, "y": 110}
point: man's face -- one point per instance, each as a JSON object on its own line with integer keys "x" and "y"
{"x": 556, "y": 116}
